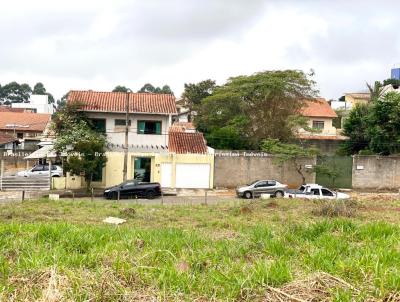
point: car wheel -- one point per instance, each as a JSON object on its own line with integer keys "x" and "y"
{"x": 247, "y": 195}
{"x": 150, "y": 194}
{"x": 279, "y": 194}
{"x": 114, "y": 195}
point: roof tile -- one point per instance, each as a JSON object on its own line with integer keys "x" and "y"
{"x": 318, "y": 108}
{"x": 24, "y": 121}
{"x": 116, "y": 102}
{"x": 186, "y": 142}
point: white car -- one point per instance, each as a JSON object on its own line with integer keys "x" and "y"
{"x": 314, "y": 191}
{"x": 42, "y": 170}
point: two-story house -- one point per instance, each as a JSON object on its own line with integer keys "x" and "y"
{"x": 152, "y": 155}
{"x": 321, "y": 132}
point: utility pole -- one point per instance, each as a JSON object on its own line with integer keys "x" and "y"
{"x": 125, "y": 170}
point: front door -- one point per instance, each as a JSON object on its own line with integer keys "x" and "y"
{"x": 142, "y": 169}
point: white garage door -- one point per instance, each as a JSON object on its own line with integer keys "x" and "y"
{"x": 166, "y": 175}
{"x": 192, "y": 176}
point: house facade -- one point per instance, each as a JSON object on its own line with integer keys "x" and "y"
{"x": 158, "y": 151}
{"x": 321, "y": 132}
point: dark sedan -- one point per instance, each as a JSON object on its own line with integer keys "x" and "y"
{"x": 134, "y": 189}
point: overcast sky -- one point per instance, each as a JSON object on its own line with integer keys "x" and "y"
{"x": 95, "y": 44}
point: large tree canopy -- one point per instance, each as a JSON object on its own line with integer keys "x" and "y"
{"x": 253, "y": 108}
{"x": 15, "y": 93}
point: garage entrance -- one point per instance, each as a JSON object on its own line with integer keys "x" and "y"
{"x": 192, "y": 176}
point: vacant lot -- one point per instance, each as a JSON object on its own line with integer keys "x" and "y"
{"x": 278, "y": 250}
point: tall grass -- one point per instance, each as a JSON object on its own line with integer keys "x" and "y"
{"x": 182, "y": 261}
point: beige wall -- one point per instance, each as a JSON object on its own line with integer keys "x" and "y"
{"x": 354, "y": 101}
{"x": 329, "y": 129}
{"x": 113, "y": 171}
{"x": 116, "y": 135}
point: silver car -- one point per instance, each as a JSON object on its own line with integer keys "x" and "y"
{"x": 42, "y": 170}
{"x": 255, "y": 189}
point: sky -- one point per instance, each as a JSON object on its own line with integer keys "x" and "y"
{"x": 96, "y": 44}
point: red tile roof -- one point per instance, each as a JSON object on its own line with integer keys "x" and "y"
{"x": 318, "y": 108}
{"x": 5, "y": 138}
{"x": 9, "y": 109}
{"x": 186, "y": 142}
{"x": 24, "y": 121}
{"x": 116, "y": 102}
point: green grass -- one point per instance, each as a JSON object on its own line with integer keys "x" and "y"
{"x": 215, "y": 252}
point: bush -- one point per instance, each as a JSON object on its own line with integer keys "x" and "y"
{"x": 335, "y": 208}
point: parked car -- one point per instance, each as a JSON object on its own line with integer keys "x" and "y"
{"x": 134, "y": 188}
{"x": 42, "y": 170}
{"x": 315, "y": 191}
{"x": 258, "y": 187}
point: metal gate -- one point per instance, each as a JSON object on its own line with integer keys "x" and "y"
{"x": 334, "y": 171}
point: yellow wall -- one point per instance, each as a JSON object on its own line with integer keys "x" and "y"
{"x": 329, "y": 129}
{"x": 113, "y": 174}
{"x": 350, "y": 99}
{"x": 69, "y": 182}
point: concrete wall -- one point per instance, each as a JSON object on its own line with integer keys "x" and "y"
{"x": 241, "y": 168}
{"x": 376, "y": 172}
{"x": 68, "y": 183}
{"x": 116, "y": 135}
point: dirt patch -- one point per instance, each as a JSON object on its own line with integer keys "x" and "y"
{"x": 128, "y": 212}
{"x": 317, "y": 287}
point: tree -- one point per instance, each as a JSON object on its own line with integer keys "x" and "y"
{"x": 355, "y": 128}
{"x": 259, "y": 106}
{"x": 384, "y": 125}
{"x": 393, "y": 82}
{"x": 149, "y": 88}
{"x": 193, "y": 94}
{"x": 15, "y": 93}
{"x": 291, "y": 153}
{"x": 63, "y": 101}
{"x": 85, "y": 147}
{"x": 375, "y": 91}
{"x": 120, "y": 88}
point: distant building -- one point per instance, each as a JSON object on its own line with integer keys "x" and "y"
{"x": 354, "y": 98}
{"x": 395, "y": 74}
{"x": 37, "y": 104}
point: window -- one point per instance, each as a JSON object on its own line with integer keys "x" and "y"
{"x": 271, "y": 183}
{"x": 315, "y": 192}
{"x": 121, "y": 122}
{"x": 318, "y": 125}
{"x": 149, "y": 127}
{"x": 20, "y": 135}
{"x": 262, "y": 184}
{"x": 37, "y": 168}
{"x": 326, "y": 192}
{"x": 99, "y": 125}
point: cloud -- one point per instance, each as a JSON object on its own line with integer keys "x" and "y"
{"x": 99, "y": 44}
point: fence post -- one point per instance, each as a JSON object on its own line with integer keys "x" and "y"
{"x": 162, "y": 197}
{"x": 51, "y": 180}
{"x": 1, "y": 174}
{"x": 91, "y": 198}
{"x": 23, "y": 195}
{"x": 73, "y": 196}
{"x": 205, "y": 197}
{"x": 118, "y": 195}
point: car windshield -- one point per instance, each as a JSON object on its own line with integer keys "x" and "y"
{"x": 302, "y": 188}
